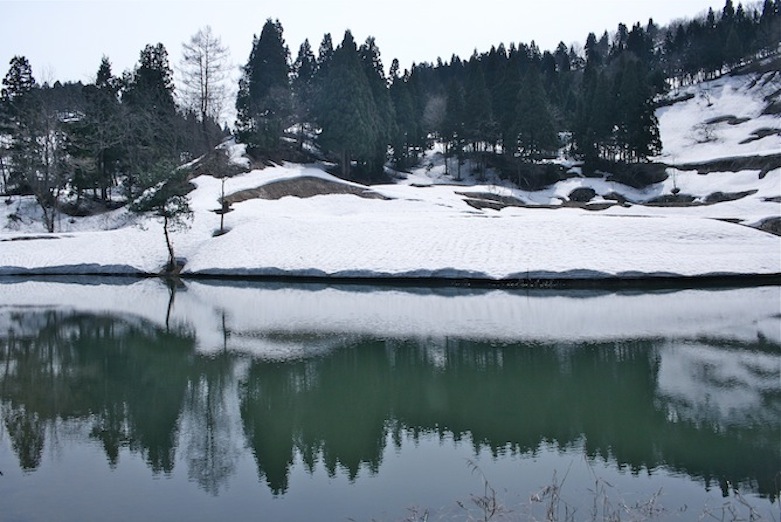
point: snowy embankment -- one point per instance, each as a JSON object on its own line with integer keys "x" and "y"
{"x": 424, "y": 227}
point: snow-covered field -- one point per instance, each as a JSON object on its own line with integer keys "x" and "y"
{"x": 425, "y": 228}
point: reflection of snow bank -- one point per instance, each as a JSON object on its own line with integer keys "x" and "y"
{"x": 279, "y": 321}
{"x": 719, "y": 385}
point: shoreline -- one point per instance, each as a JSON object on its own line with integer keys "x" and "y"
{"x": 640, "y": 282}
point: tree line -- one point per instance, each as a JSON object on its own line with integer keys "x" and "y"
{"x": 506, "y": 108}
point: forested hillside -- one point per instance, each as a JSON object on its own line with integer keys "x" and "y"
{"x": 508, "y": 108}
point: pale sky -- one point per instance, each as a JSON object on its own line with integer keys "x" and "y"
{"x": 65, "y": 39}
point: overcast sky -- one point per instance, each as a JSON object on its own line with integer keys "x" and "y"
{"x": 65, "y": 39}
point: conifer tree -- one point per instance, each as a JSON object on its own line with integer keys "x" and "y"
{"x": 15, "y": 101}
{"x": 151, "y": 114}
{"x": 303, "y": 88}
{"x": 94, "y": 139}
{"x": 638, "y": 131}
{"x": 263, "y": 104}
{"x": 479, "y": 123}
{"x": 535, "y": 129}
{"x": 385, "y": 112}
{"x": 404, "y": 110}
{"x": 454, "y": 132}
{"x": 346, "y": 111}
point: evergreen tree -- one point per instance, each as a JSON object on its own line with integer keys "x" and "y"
{"x": 733, "y": 48}
{"x": 386, "y": 117}
{"x": 151, "y": 114}
{"x": 325, "y": 53}
{"x": 163, "y": 193}
{"x": 455, "y": 121}
{"x": 478, "y": 114}
{"x": 263, "y": 104}
{"x": 15, "y": 101}
{"x": 94, "y": 139}
{"x": 769, "y": 31}
{"x": 346, "y": 111}
{"x": 303, "y": 85}
{"x": 638, "y": 130}
{"x": 535, "y": 129}
{"x": 404, "y": 110}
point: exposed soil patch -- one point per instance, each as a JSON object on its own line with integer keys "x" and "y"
{"x": 671, "y": 200}
{"x": 483, "y": 200}
{"x": 762, "y": 163}
{"x": 761, "y": 133}
{"x": 771, "y": 225}
{"x": 305, "y": 187}
{"x": 720, "y": 197}
{"x": 732, "y": 120}
{"x": 635, "y": 175}
{"x": 582, "y": 194}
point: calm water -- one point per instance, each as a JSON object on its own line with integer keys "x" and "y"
{"x": 134, "y": 401}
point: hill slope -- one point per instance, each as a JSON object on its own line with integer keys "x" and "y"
{"x": 427, "y": 225}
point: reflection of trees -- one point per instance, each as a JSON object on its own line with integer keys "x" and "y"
{"x": 128, "y": 378}
{"x": 212, "y": 453}
{"x": 341, "y": 408}
{"x": 333, "y": 408}
{"x": 137, "y": 385}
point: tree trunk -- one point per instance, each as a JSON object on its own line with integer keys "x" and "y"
{"x": 171, "y": 258}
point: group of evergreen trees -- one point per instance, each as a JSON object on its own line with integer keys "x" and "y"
{"x": 94, "y": 138}
{"x": 517, "y": 102}
{"x": 509, "y": 106}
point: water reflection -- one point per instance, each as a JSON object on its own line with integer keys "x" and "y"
{"x": 708, "y": 406}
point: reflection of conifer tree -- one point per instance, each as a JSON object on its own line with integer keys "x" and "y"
{"x": 27, "y": 433}
{"x": 211, "y": 450}
{"x": 267, "y": 413}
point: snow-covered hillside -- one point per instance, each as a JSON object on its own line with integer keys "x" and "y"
{"x": 427, "y": 225}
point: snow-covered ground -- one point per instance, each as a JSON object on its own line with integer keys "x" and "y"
{"x": 425, "y": 228}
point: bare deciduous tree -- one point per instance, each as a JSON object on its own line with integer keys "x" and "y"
{"x": 204, "y": 68}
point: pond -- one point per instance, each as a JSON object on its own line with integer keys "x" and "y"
{"x": 133, "y": 400}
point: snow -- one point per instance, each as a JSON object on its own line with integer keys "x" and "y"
{"x": 688, "y": 137}
{"x": 426, "y": 229}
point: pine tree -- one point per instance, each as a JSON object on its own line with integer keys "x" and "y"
{"x": 535, "y": 130}
{"x": 303, "y": 88}
{"x": 151, "y": 114}
{"x": 404, "y": 110}
{"x": 478, "y": 115}
{"x": 15, "y": 100}
{"x": 386, "y": 117}
{"x": 164, "y": 195}
{"x": 264, "y": 102}
{"x": 94, "y": 139}
{"x": 454, "y": 124}
{"x": 638, "y": 129}
{"x": 346, "y": 111}
{"x": 733, "y": 48}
